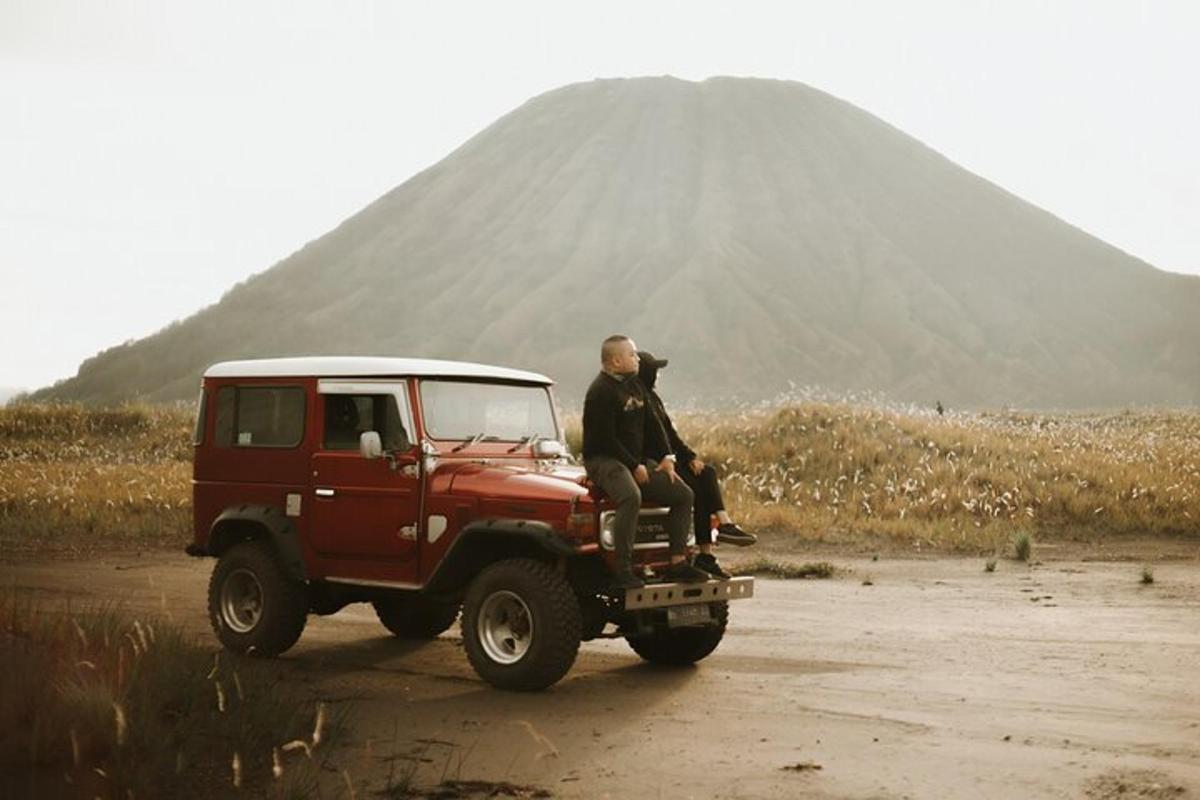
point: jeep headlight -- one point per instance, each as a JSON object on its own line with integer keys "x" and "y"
{"x": 607, "y": 521}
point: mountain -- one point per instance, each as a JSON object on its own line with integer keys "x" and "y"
{"x": 755, "y": 232}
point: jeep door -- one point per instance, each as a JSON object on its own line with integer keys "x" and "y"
{"x": 365, "y": 511}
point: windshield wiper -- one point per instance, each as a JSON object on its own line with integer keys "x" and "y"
{"x": 476, "y": 439}
{"x": 529, "y": 440}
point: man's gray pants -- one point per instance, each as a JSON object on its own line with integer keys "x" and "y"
{"x": 618, "y": 483}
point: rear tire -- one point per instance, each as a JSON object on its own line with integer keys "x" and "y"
{"x": 415, "y": 616}
{"x": 521, "y": 625}
{"x": 681, "y": 646}
{"x": 254, "y": 607}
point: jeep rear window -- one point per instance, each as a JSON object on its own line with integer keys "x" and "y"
{"x": 198, "y": 435}
{"x": 260, "y": 416}
{"x": 500, "y": 411}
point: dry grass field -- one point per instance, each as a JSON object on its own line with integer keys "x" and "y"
{"x": 967, "y": 482}
{"x": 963, "y": 482}
{"x": 75, "y": 480}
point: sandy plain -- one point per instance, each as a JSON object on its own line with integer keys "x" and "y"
{"x": 898, "y": 678}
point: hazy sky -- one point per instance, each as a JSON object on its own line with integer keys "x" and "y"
{"x": 153, "y": 154}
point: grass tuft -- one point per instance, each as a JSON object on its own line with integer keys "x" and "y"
{"x": 1023, "y": 546}
{"x": 96, "y": 694}
{"x": 775, "y": 568}
{"x": 1147, "y": 574}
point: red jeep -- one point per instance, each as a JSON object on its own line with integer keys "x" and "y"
{"x": 422, "y": 487}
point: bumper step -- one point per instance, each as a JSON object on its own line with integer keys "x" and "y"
{"x": 661, "y": 595}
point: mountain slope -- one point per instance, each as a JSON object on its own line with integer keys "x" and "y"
{"x": 756, "y": 232}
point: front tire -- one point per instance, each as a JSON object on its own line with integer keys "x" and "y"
{"x": 254, "y": 607}
{"x": 682, "y": 646}
{"x": 521, "y": 625}
{"x": 416, "y": 616}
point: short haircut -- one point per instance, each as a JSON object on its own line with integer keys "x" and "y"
{"x": 609, "y": 348}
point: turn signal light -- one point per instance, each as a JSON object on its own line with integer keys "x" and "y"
{"x": 581, "y": 526}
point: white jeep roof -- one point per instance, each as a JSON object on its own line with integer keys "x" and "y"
{"x": 366, "y": 366}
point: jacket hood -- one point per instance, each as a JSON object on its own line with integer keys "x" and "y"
{"x": 648, "y": 374}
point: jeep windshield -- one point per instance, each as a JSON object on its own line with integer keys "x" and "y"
{"x": 498, "y": 412}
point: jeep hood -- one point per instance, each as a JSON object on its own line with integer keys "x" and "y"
{"x": 516, "y": 482}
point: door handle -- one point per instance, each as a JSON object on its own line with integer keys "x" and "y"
{"x": 325, "y": 493}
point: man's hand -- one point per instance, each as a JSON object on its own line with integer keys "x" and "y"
{"x": 697, "y": 466}
{"x": 641, "y": 474}
{"x": 667, "y": 465}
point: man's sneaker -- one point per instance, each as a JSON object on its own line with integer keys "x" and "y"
{"x": 624, "y": 580}
{"x": 708, "y": 563}
{"x": 684, "y": 572}
{"x": 730, "y": 533}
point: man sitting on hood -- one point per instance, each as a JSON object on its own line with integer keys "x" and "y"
{"x": 619, "y": 431}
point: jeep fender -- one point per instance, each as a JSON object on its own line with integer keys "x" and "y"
{"x": 487, "y": 541}
{"x": 239, "y": 523}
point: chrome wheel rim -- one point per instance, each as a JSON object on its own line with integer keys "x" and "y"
{"x": 241, "y": 601}
{"x": 505, "y": 627}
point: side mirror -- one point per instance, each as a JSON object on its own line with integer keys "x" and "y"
{"x": 547, "y": 448}
{"x": 370, "y": 445}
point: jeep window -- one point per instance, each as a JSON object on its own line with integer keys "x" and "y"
{"x": 226, "y": 407}
{"x": 198, "y": 435}
{"x": 260, "y": 416}
{"x": 462, "y": 410}
{"x": 347, "y": 416}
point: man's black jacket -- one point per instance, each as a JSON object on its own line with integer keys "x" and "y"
{"x": 618, "y": 422}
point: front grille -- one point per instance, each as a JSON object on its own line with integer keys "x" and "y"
{"x": 651, "y": 529}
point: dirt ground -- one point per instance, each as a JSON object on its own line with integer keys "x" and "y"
{"x": 899, "y": 678}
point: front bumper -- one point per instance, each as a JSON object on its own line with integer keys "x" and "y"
{"x": 662, "y": 595}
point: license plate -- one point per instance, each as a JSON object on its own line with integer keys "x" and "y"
{"x": 679, "y": 616}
